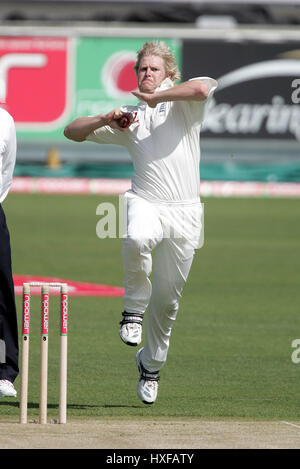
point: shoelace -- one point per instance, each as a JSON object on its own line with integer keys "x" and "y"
{"x": 152, "y": 384}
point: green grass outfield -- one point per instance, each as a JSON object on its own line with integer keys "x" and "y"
{"x": 230, "y": 353}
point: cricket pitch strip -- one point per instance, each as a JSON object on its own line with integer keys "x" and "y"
{"x": 177, "y": 433}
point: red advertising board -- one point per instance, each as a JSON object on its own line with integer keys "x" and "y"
{"x": 33, "y": 78}
{"x": 47, "y": 81}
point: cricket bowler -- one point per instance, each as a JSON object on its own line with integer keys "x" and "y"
{"x": 162, "y": 208}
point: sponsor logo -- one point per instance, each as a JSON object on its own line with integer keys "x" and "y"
{"x": 33, "y": 80}
{"x": 26, "y": 313}
{"x": 266, "y": 69}
{"x": 118, "y": 76}
{"x": 277, "y": 117}
{"x": 162, "y": 108}
{"x": 45, "y": 313}
{"x": 64, "y": 314}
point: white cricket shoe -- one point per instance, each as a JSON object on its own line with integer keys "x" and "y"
{"x": 131, "y": 328}
{"x": 7, "y": 389}
{"x": 147, "y": 387}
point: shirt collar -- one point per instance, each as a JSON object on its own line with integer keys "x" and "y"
{"x": 165, "y": 84}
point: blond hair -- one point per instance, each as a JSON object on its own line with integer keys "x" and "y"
{"x": 159, "y": 49}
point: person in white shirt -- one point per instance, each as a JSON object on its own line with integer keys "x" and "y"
{"x": 9, "y": 348}
{"x": 162, "y": 209}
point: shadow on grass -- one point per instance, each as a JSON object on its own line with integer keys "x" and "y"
{"x": 34, "y": 405}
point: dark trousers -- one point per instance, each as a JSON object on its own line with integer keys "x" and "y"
{"x": 9, "y": 348}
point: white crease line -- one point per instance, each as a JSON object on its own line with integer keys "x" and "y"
{"x": 292, "y": 424}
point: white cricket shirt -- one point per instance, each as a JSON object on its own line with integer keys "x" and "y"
{"x": 8, "y": 148}
{"x": 164, "y": 144}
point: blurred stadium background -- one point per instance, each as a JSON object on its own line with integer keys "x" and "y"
{"x": 62, "y": 59}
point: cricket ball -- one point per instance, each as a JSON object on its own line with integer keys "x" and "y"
{"x": 125, "y": 120}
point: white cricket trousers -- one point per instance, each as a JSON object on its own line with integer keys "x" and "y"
{"x": 173, "y": 230}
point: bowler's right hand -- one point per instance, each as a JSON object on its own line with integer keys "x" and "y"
{"x": 113, "y": 119}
